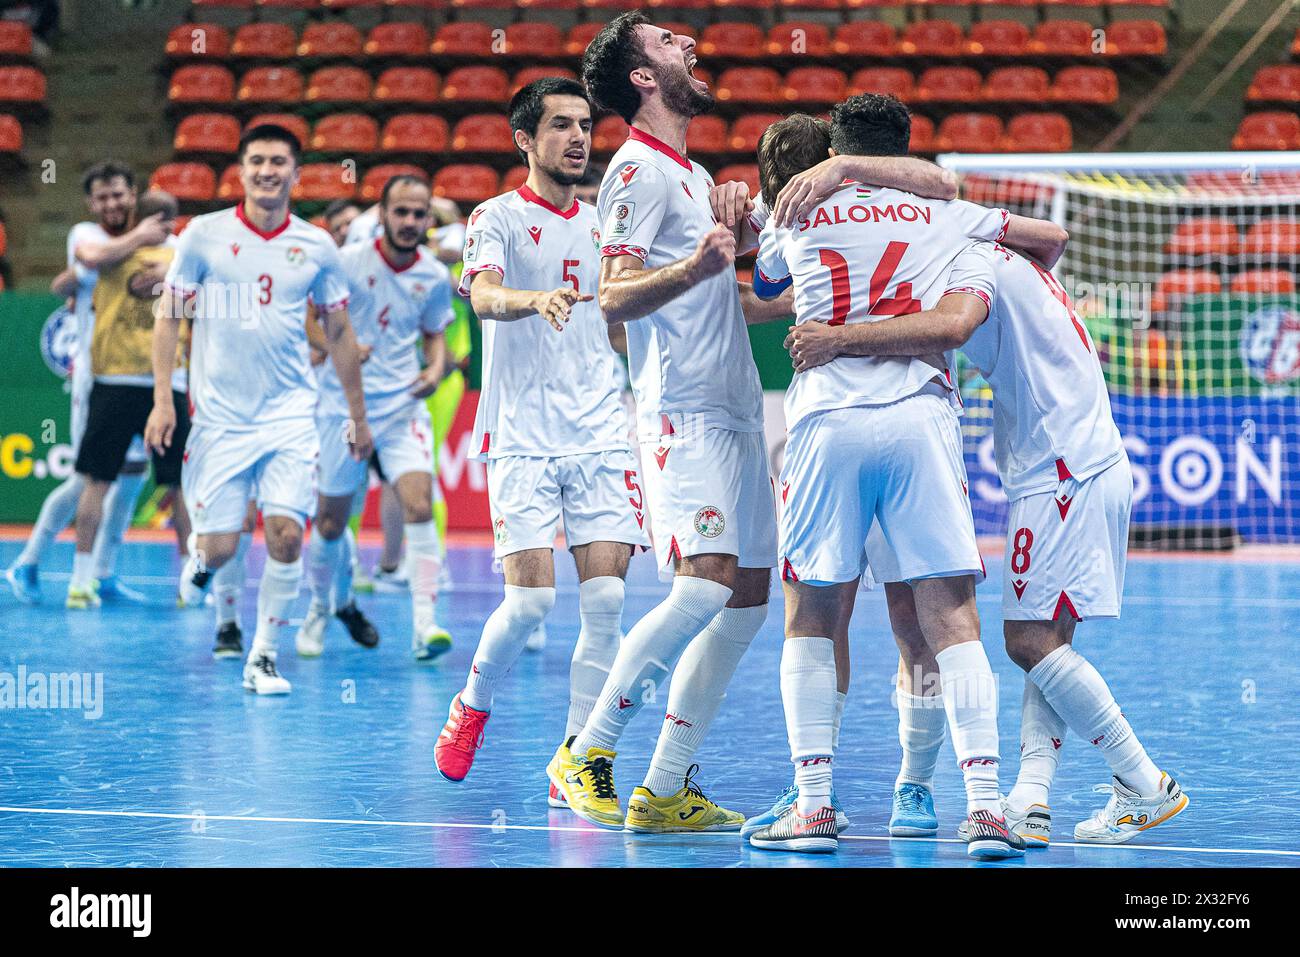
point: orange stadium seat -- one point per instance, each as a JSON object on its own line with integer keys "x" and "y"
{"x": 969, "y": 133}
{"x": 1135, "y": 38}
{"x": 1038, "y": 133}
{"x": 707, "y": 134}
{"x": 949, "y": 84}
{"x": 350, "y": 4}
{"x": 744, "y": 4}
{"x": 339, "y": 84}
{"x": 513, "y": 178}
{"x": 748, "y": 84}
{"x": 408, "y": 84}
{"x": 922, "y": 139}
{"x": 207, "y": 133}
{"x": 234, "y": 4}
{"x": 415, "y": 133}
{"x": 534, "y": 40}
{"x": 185, "y": 181}
{"x": 345, "y": 133}
{"x": 285, "y": 4}
{"x": 1017, "y": 84}
{"x": 1295, "y": 44}
{"x": 883, "y": 79}
{"x": 270, "y": 84}
{"x": 330, "y": 39}
{"x": 202, "y": 83}
{"x": 738, "y": 41}
{"x": 476, "y": 84}
{"x": 1275, "y": 84}
{"x": 680, "y": 5}
{"x": 619, "y": 5}
{"x": 811, "y": 4}
{"x": 397, "y": 39}
{"x": 1204, "y": 236}
{"x": 323, "y": 182}
{"x": 22, "y": 84}
{"x": 463, "y": 39}
{"x": 745, "y": 132}
{"x": 579, "y": 35}
{"x": 1176, "y": 284}
{"x": 229, "y": 186}
{"x": 997, "y": 38}
{"x": 1062, "y": 38}
{"x": 530, "y": 74}
{"x": 372, "y": 184}
{"x": 465, "y": 182}
{"x": 745, "y": 172}
{"x": 799, "y": 39}
{"x": 608, "y": 134}
{"x": 1097, "y": 85}
{"x": 265, "y": 41}
{"x": 932, "y": 38}
{"x": 866, "y": 38}
{"x": 198, "y": 41}
{"x": 1268, "y": 131}
{"x": 483, "y": 133}
{"x": 481, "y": 4}
{"x": 1263, "y": 281}
{"x": 11, "y": 135}
{"x": 292, "y": 122}
{"x": 15, "y": 38}
{"x": 815, "y": 84}
{"x": 1272, "y": 237}
{"x": 550, "y": 5}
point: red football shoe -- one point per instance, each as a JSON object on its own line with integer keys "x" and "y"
{"x": 461, "y": 736}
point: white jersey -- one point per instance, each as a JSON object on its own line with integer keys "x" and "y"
{"x": 691, "y": 355}
{"x": 862, "y": 255}
{"x": 1051, "y": 412}
{"x": 389, "y": 308}
{"x": 544, "y": 393}
{"x": 83, "y": 302}
{"x": 249, "y": 357}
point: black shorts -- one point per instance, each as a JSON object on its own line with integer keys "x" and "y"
{"x": 117, "y": 414}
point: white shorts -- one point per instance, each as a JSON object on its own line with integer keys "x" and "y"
{"x": 710, "y": 491}
{"x": 884, "y": 485}
{"x": 1066, "y": 550}
{"x": 224, "y": 469}
{"x": 596, "y": 494}
{"x": 403, "y": 442}
{"x": 80, "y": 411}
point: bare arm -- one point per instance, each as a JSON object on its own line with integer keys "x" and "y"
{"x": 1036, "y": 238}
{"x": 618, "y": 338}
{"x": 492, "y": 300}
{"x": 758, "y": 311}
{"x": 948, "y": 325}
{"x": 341, "y": 344}
{"x": 629, "y": 291}
{"x": 435, "y": 366}
{"x": 807, "y": 189}
{"x": 150, "y": 231}
{"x": 65, "y": 283}
{"x": 315, "y": 337}
{"x": 167, "y": 313}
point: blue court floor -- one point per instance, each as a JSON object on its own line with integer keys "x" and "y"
{"x": 183, "y": 767}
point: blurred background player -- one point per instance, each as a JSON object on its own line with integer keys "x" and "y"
{"x": 244, "y": 276}
{"x": 668, "y": 271}
{"x": 398, "y": 294}
{"x": 551, "y": 422}
{"x": 338, "y": 216}
{"x": 111, "y": 196}
{"x": 121, "y": 358}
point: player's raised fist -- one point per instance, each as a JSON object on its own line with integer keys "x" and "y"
{"x": 715, "y": 252}
{"x": 556, "y": 306}
{"x": 730, "y": 202}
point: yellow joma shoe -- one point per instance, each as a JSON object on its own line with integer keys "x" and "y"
{"x": 81, "y": 599}
{"x": 687, "y": 810}
{"x": 587, "y": 784}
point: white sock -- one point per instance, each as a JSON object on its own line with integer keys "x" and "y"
{"x": 228, "y": 582}
{"x": 83, "y": 569}
{"x": 600, "y": 608}
{"x": 1042, "y": 732}
{"x": 1079, "y": 694}
{"x": 341, "y": 594}
{"x": 119, "y": 509}
{"x": 921, "y": 724}
{"x": 422, "y": 566}
{"x": 970, "y": 698}
{"x": 808, "y": 694}
{"x": 840, "y": 698}
{"x": 323, "y": 558}
{"x": 646, "y": 656}
{"x": 502, "y": 641}
{"x": 57, "y": 512}
{"x": 698, "y": 687}
{"x": 276, "y": 595}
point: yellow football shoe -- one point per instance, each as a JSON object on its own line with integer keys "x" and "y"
{"x": 587, "y": 784}
{"x": 687, "y": 810}
{"x": 81, "y": 599}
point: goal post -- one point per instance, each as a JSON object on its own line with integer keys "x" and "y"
{"x": 1184, "y": 267}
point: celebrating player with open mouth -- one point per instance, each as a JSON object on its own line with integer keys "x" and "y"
{"x": 245, "y": 276}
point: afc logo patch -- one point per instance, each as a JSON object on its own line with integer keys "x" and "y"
{"x": 710, "y": 522}
{"x": 622, "y": 218}
{"x": 471, "y": 249}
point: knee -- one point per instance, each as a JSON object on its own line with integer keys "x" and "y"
{"x": 329, "y": 525}
{"x": 528, "y": 606}
{"x": 1024, "y": 647}
{"x": 417, "y": 513}
{"x": 212, "y": 552}
{"x": 284, "y": 541}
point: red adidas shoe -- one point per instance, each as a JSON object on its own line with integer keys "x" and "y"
{"x": 461, "y": 736}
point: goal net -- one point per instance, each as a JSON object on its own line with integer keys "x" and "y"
{"x": 1183, "y": 265}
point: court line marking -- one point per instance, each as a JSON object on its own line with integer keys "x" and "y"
{"x": 171, "y": 816}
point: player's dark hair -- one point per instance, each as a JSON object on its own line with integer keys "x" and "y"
{"x": 789, "y": 147}
{"x": 270, "y": 131}
{"x": 336, "y": 207}
{"x": 106, "y": 172}
{"x": 528, "y": 105}
{"x": 156, "y": 201}
{"x": 615, "y": 52}
{"x": 399, "y": 180}
{"x": 871, "y": 124}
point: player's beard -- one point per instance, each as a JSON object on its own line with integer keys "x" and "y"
{"x": 393, "y": 241}
{"x": 563, "y": 177}
{"x": 682, "y": 98}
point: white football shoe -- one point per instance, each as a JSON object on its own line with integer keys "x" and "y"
{"x": 1127, "y": 814}
{"x": 261, "y": 676}
{"x": 310, "y": 640}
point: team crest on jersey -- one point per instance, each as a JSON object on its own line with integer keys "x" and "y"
{"x": 499, "y": 531}
{"x": 536, "y": 233}
{"x": 296, "y": 256}
{"x": 627, "y": 172}
{"x": 595, "y": 238}
{"x": 624, "y": 216}
{"x": 709, "y": 522}
{"x": 417, "y": 290}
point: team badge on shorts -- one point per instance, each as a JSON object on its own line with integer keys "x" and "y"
{"x": 709, "y": 522}
{"x": 499, "y": 531}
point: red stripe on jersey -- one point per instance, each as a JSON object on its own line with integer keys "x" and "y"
{"x": 1064, "y": 602}
{"x": 971, "y": 292}
{"x": 665, "y": 425}
{"x": 787, "y": 572}
{"x": 379, "y": 245}
{"x": 1062, "y": 473}
{"x": 618, "y": 249}
{"x": 657, "y": 144}
{"x": 673, "y": 550}
{"x": 529, "y": 196}
{"x": 487, "y": 438}
{"x": 243, "y": 218}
